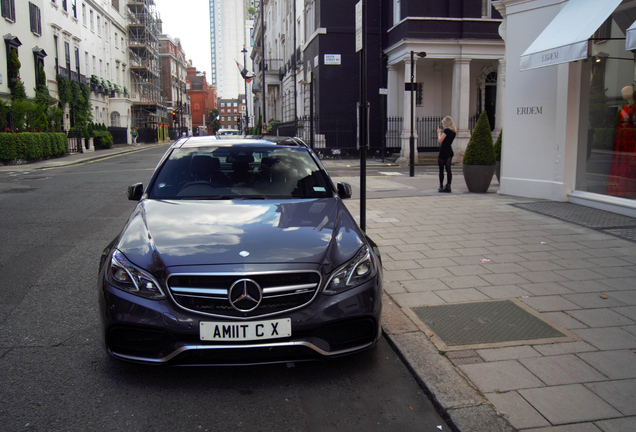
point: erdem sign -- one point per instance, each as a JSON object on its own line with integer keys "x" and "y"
{"x": 529, "y": 110}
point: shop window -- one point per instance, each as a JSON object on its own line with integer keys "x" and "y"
{"x": 8, "y": 9}
{"x": 606, "y": 158}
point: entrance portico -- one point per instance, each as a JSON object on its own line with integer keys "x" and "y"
{"x": 450, "y": 80}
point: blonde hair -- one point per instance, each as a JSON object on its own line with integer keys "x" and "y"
{"x": 448, "y": 123}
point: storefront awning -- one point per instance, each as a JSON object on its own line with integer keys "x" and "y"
{"x": 630, "y": 42}
{"x": 565, "y": 38}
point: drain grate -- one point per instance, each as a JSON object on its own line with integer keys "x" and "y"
{"x": 484, "y": 323}
{"x": 620, "y": 226}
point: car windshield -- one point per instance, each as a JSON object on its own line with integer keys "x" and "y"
{"x": 248, "y": 172}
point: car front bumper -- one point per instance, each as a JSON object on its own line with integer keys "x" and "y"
{"x": 158, "y": 332}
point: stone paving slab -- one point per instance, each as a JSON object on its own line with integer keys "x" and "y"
{"x": 569, "y": 404}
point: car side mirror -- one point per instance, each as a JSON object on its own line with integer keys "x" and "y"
{"x": 135, "y": 191}
{"x": 344, "y": 190}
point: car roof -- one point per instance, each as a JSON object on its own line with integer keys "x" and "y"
{"x": 211, "y": 141}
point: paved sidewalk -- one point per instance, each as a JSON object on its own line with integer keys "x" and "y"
{"x": 462, "y": 247}
{"x": 468, "y": 248}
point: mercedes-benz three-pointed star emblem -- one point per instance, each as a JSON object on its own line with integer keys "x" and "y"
{"x": 245, "y": 295}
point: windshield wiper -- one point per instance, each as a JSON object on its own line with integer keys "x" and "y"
{"x": 249, "y": 197}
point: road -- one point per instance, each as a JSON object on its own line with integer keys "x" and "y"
{"x": 55, "y": 374}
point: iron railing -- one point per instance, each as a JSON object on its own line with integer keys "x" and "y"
{"x": 330, "y": 133}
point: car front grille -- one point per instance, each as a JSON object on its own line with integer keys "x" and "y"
{"x": 210, "y": 293}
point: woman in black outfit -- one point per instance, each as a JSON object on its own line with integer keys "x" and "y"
{"x": 445, "y": 138}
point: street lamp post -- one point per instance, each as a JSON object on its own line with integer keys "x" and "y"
{"x": 181, "y": 104}
{"x": 246, "y": 116}
{"x": 412, "y": 138}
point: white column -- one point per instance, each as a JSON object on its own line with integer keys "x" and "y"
{"x": 406, "y": 125}
{"x": 393, "y": 88}
{"x": 461, "y": 104}
{"x": 438, "y": 80}
{"x": 501, "y": 91}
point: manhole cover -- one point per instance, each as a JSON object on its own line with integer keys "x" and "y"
{"x": 484, "y": 323}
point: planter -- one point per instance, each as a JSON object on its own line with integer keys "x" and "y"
{"x": 498, "y": 170}
{"x": 478, "y": 177}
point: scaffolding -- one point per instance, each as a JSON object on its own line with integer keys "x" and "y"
{"x": 148, "y": 107}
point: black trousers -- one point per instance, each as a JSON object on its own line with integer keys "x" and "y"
{"x": 445, "y": 164}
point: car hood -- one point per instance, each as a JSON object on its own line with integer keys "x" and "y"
{"x": 161, "y": 234}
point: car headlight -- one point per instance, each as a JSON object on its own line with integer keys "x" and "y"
{"x": 359, "y": 269}
{"x": 124, "y": 275}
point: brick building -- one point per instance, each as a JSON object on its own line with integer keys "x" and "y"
{"x": 202, "y": 97}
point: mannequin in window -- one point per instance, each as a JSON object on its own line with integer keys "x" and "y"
{"x": 621, "y": 180}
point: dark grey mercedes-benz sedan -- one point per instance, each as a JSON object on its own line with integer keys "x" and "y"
{"x": 239, "y": 252}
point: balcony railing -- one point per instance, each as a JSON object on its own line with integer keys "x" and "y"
{"x": 72, "y": 75}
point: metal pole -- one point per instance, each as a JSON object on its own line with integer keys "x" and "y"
{"x": 264, "y": 90}
{"x": 244, "y": 51}
{"x": 311, "y": 112}
{"x": 412, "y": 138}
{"x": 363, "y": 121}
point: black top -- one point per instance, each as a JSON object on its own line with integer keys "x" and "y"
{"x": 445, "y": 149}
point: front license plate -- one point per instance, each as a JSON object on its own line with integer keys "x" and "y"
{"x": 245, "y": 331}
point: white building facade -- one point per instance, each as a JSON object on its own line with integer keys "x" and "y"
{"x": 569, "y": 113}
{"x": 227, "y": 24}
{"x": 22, "y": 29}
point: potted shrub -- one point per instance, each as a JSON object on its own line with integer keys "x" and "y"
{"x": 479, "y": 158}
{"x": 498, "y": 156}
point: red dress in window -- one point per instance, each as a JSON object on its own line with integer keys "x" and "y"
{"x": 621, "y": 180}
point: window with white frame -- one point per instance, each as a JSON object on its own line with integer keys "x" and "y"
{"x": 397, "y": 11}
{"x": 8, "y": 9}
{"x": 486, "y": 8}
{"x": 36, "y": 22}
{"x": 77, "y": 60}
{"x": 115, "y": 119}
{"x": 116, "y": 41}
{"x": 84, "y": 14}
{"x": 99, "y": 25}
{"x": 67, "y": 56}
{"x": 91, "y": 21}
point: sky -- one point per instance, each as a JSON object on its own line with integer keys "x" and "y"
{"x": 189, "y": 20}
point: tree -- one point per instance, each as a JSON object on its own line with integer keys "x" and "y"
{"x": 213, "y": 120}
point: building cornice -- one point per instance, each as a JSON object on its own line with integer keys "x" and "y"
{"x": 403, "y": 20}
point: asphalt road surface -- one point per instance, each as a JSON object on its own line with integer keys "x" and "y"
{"x": 55, "y": 375}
